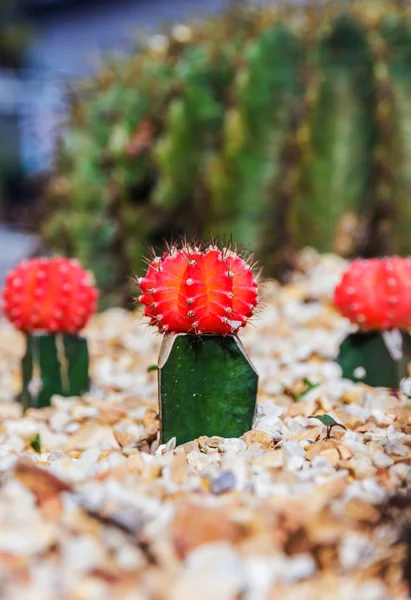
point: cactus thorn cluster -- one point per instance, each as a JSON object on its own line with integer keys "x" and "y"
{"x": 375, "y": 294}
{"x": 49, "y": 294}
{"x": 199, "y": 290}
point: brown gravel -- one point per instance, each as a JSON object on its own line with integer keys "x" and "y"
{"x": 103, "y": 512}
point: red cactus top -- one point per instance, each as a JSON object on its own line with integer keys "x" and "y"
{"x": 376, "y": 293}
{"x": 199, "y": 291}
{"x": 49, "y": 294}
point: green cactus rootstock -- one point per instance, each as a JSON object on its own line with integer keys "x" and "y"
{"x": 54, "y": 363}
{"x": 284, "y": 126}
{"x": 207, "y": 386}
{"x": 365, "y": 357}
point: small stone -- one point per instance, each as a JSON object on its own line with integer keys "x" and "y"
{"x": 200, "y": 461}
{"x": 16, "y": 443}
{"x": 355, "y": 550}
{"x": 150, "y": 433}
{"x": 72, "y": 427}
{"x": 360, "y": 373}
{"x": 273, "y": 459}
{"x": 196, "y": 525}
{"x": 352, "y": 396}
{"x": 23, "y": 427}
{"x": 82, "y": 553}
{"x": 382, "y": 460}
{"x": 271, "y": 426}
{"x": 55, "y": 456}
{"x": 332, "y": 455}
{"x": 210, "y": 445}
{"x": 10, "y": 410}
{"x": 294, "y": 456}
{"x": 211, "y": 571}
{"x": 384, "y": 419}
{"x": 188, "y": 447}
{"x": 232, "y": 445}
{"x": 7, "y": 462}
{"x": 261, "y": 437}
{"x": 24, "y": 533}
{"x": 268, "y": 409}
{"x": 135, "y": 463}
{"x": 178, "y": 468}
{"x": 362, "y": 466}
{"x": 344, "y": 452}
{"x": 405, "y": 387}
{"x": 395, "y": 447}
{"x": 129, "y": 450}
{"x": 299, "y": 567}
{"x": 59, "y": 420}
{"x": 361, "y": 511}
{"x": 151, "y": 417}
{"x": 223, "y": 483}
{"x": 129, "y": 558}
{"x": 121, "y": 437}
{"x": 372, "y": 590}
{"x": 92, "y": 436}
{"x": 401, "y": 473}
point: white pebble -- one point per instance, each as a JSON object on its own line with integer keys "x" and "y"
{"x": 294, "y": 456}
{"x": 232, "y": 445}
{"x": 382, "y": 460}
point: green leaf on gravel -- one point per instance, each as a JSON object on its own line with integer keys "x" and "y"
{"x": 325, "y": 420}
{"x": 152, "y": 368}
{"x": 310, "y": 385}
{"x": 35, "y": 443}
{"x": 329, "y": 422}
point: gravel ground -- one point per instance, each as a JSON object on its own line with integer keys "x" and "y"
{"x": 103, "y": 512}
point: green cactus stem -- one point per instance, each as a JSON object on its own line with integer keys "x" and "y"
{"x": 369, "y": 357}
{"x": 207, "y": 386}
{"x": 54, "y": 363}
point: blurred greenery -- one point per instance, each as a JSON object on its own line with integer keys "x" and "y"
{"x": 282, "y": 126}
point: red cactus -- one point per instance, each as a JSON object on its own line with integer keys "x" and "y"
{"x": 376, "y": 293}
{"x": 54, "y": 295}
{"x": 199, "y": 291}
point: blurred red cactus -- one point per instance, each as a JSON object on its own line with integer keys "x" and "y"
{"x": 376, "y": 293}
{"x": 199, "y": 291}
{"x": 49, "y": 294}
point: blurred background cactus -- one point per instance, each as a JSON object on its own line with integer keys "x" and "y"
{"x": 284, "y": 126}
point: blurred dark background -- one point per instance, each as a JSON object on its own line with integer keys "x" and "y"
{"x": 44, "y": 46}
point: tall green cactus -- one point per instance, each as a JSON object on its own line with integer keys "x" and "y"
{"x": 335, "y": 166}
{"x": 269, "y": 124}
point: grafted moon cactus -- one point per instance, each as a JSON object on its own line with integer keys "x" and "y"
{"x": 199, "y": 297}
{"x": 51, "y": 300}
{"x": 49, "y": 294}
{"x": 375, "y": 294}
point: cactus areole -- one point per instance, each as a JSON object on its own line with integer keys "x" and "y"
{"x": 51, "y": 300}
{"x": 375, "y": 295}
{"x": 199, "y": 297}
